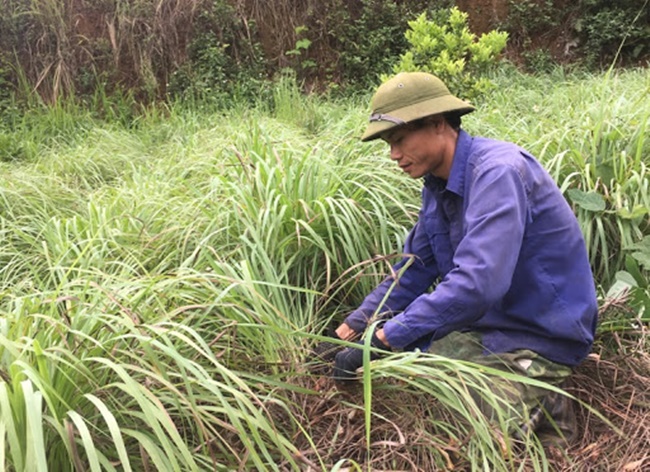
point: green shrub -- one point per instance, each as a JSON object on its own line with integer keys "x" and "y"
{"x": 538, "y": 61}
{"x": 369, "y": 38}
{"x": 445, "y": 47}
{"x": 610, "y": 29}
{"x": 224, "y": 63}
{"x": 526, "y": 23}
{"x": 5, "y": 83}
{"x": 529, "y": 17}
{"x": 300, "y": 50}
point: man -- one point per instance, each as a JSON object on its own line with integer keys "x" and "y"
{"x": 512, "y": 285}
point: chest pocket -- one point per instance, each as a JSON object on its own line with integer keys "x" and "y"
{"x": 437, "y": 230}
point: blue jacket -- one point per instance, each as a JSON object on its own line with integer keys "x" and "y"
{"x": 504, "y": 254}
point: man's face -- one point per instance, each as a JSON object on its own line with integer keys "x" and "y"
{"x": 420, "y": 151}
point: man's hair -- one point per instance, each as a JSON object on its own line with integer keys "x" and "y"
{"x": 453, "y": 119}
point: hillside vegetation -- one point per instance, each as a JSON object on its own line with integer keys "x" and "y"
{"x": 163, "y": 277}
{"x": 214, "y": 49}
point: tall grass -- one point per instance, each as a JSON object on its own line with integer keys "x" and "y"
{"x": 139, "y": 272}
{"x": 161, "y": 286}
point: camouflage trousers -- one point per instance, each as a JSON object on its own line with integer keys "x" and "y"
{"x": 549, "y": 414}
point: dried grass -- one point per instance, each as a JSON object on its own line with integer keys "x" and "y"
{"x": 618, "y": 386}
{"x": 135, "y": 43}
{"x": 403, "y": 436}
{"x": 411, "y": 432}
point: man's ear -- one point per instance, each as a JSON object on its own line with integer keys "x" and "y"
{"x": 435, "y": 120}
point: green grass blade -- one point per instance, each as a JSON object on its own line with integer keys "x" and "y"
{"x": 86, "y": 438}
{"x": 114, "y": 429}
{"x": 36, "y": 453}
{"x": 16, "y": 450}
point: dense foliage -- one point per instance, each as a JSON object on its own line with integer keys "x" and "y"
{"x": 217, "y": 49}
{"x": 163, "y": 278}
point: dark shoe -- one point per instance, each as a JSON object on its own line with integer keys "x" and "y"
{"x": 323, "y": 354}
{"x": 554, "y": 422}
{"x": 559, "y": 425}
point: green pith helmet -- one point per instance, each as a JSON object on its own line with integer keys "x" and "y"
{"x": 407, "y": 97}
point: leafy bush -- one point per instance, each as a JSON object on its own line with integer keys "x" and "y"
{"x": 538, "y": 61}
{"x": 445, "y": 47}
{"x": 609, "y": 28}
{"x": 530, "y": 17}
{"x": 369, "y": 38}
{"x": 5, "y": 83}
{"x": 224, "y": 64}
{"x": 526, "y": 23}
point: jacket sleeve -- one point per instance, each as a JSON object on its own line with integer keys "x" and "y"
{"x": 410, "y": 277}
{"x": 483, "y": 263}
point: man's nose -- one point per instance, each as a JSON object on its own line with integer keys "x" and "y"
{"x": 395, "y": 152}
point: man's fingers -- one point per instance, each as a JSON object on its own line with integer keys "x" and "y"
{"x": 345, "y": 332}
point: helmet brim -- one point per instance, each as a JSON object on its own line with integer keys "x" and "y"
{"x": 408, "y": 114}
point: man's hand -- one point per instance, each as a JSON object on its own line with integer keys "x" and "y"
{"x": 350, "y": 359}
{"x": 325, "y": 351}
{"x": 345, "y": 332}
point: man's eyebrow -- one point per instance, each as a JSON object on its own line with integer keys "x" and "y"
{"x": 390, "y": 134}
